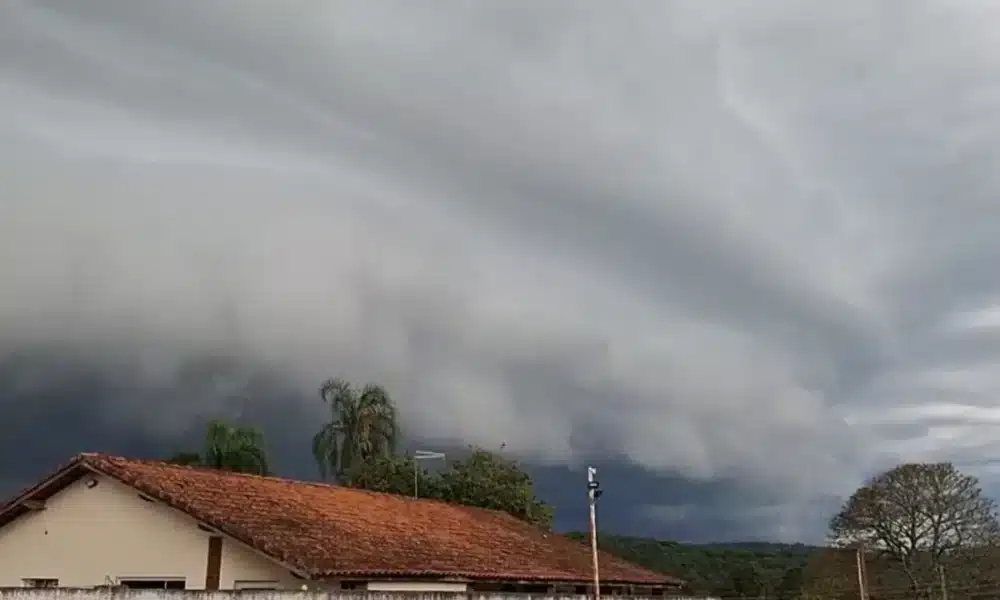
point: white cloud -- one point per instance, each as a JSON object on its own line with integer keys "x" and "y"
{"x": 700, "y": 234}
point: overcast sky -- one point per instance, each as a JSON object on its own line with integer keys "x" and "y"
{"x": 740, "y": 253}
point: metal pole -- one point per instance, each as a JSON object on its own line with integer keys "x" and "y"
{"x": 944, "y": 584}
{"x": 591, "y": 473}
{"x": 861, "y": 572}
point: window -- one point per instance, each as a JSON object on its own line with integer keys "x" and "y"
{"x": 353, "y": 585}
{"x": 255, "y": 585}
{"x": 142, "y": 583}
{"x": 40, "y": 583}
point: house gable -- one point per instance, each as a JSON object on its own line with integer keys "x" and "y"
{"x": 97, "y": 531}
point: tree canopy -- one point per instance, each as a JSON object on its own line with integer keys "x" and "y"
{"x": 484, "y": 479}
{"x": 750, "y": 570}
{"x": 488, "y": 480}
{"x": 363, "y": 426}
{"x": 229, "y": 447}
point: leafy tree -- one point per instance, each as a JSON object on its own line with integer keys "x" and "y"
{"x": 918, "y": 515}
{"x": 483, "y": 479}
{"x": 229, "y": 447}
{"x": 237, "y": 448}
{"x": 394, "y": 475}
{"x": 748, "y": 582}
{"x": 790, "y": 586}
{"x": 363, "y": 426}
{"x": 710, "y": 569}
{"x": 488, "y": 480}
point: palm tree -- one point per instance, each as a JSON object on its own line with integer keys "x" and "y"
{"x": 237, "y": 448}
{"x": 362, "y": 427}
{"x": 228, "y": 447}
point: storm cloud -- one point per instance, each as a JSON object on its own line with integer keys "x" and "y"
{"x": 746, "y": 249}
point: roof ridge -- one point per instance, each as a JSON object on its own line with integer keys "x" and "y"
{"x": 172, "y": 465}
{"x": 318, "y": 484}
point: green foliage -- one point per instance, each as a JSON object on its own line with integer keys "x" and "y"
{"x": 791, "y": 584}
{"x": 748, "y": 581}
{"x": 363, "y": 426}
{"x": 750, "y": 570}
{"x": 237, "y": 448}
{"x": 229, "y": 447}
{"x": 488, "y": 480}
{"x": 393, "y": 475}
{"x": 483, "y": 479}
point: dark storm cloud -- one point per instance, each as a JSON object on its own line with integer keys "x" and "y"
{"x": 745, "y": 247}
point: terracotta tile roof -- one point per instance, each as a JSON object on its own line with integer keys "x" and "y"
{"x": 324, "y": 531}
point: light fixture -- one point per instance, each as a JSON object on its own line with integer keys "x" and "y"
{"x": 91, "y": 483}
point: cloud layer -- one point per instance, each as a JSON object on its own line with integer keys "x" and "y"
{"x": 749, "y": 242}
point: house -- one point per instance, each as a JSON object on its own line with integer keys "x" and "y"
{"x": 106, "y": 520}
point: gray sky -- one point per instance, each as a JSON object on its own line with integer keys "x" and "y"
{"x": 729, "y": 243}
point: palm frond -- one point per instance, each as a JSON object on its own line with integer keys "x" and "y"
{"x": 336, "y": 393}
{"x": 363, "y": 425}
{"x": 325, "y": 450}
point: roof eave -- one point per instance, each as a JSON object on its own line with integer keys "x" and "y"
{"x": 54, "y": 483}
{"x": 481, "y": 578}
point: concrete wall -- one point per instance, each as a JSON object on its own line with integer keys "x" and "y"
{"x": 118, "y": 594}
{"x": 96, "y": 535}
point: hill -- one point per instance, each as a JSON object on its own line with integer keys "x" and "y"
{"x": 771, "y": 571}
{"x": 751, "y": 569}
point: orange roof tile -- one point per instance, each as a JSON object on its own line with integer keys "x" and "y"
{"x": 332, "y": 531}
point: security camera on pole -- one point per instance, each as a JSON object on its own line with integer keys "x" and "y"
{"x": 594, "y": 492}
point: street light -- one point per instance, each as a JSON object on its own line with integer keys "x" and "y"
{"x": 419, "y": 455}
{"x": 594, "y": 492}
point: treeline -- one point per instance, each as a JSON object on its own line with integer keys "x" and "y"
{"x": 752, "y": 570}
{"x": 764, "y": 571}
{"x": 357, "y": 447}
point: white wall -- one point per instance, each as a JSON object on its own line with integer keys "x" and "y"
{"x": 93, "y": 536}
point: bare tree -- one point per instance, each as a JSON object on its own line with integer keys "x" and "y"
{"x": 918, "y": 514}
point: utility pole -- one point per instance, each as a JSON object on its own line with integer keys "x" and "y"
{"x": 862, "y": 572}
{"x": 944, "y": 583}
{"x": 593, "y": 493}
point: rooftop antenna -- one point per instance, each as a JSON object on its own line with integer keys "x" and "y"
{"x": 418, "y": 456}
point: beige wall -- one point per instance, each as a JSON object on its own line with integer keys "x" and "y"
{"x": 93, "y": 536}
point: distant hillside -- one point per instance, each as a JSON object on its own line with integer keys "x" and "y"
{"x": 760, "y": 547}
{"x": 728, "y": 569}
{"x": 761, "y": 570}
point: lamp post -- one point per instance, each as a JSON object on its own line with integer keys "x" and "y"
{"x": 594, "y": 492}
{"x": 419, "y": 455}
